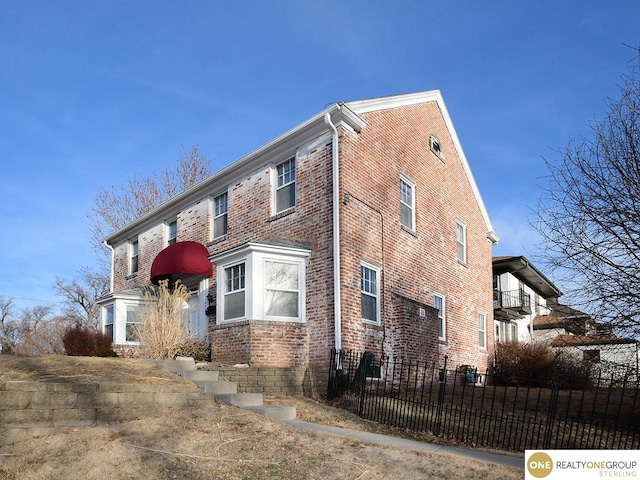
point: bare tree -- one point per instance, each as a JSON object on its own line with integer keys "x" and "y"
{"x": 7, "y": 326}
{"x": 81, "y": 296}
{"x": 116, "y": 207}
{"x": 589, "y": 214}
{"x": 34, "y": 331}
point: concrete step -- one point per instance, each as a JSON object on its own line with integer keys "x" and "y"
{"x": 241, "y": 400}
{"x": 275, "y": 412}
{"x": 200, "y": 375}
{"x": 180, "y": 365}
{"x": 217, "y": 387}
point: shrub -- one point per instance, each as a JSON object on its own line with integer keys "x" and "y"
{"x": 162, "y": 329}
{"x": 198, "y": 349}
{"x": 81, "y": 341}
{"x": 539, "y": 363}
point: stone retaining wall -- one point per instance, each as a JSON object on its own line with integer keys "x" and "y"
{"x": 29, "y": 407}
{"x": 285, "y": 381}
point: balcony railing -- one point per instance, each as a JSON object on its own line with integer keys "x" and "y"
{"x": 517, "y": 300}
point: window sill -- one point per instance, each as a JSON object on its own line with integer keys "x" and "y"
{"x": 463, "y": 264}
{"x": 373, "y": 325}
{"x": 408, "y": 230}
{"x": 282, "y": 214}
{"x": 217, "y": 240}
{"x": 131, "y": 275}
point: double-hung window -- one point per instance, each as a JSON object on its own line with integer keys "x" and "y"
{"x": 407, "y": 203}
{"x": 370, "y": 293}
{"x": 281, "y": 281}
{"x": 482, "y": 330}
{"x": 286, "y": 185}
{"x": 133, "y": 256}
{"x": 133, "y": 324}
{"x": 234, "y": 291}
{"x": 461, "y": 240}
{"x": 108, "y": 321}
{"x": 220, "y": 215}
{"x": 172, "y": 232}
{"x": 439, "y": 303}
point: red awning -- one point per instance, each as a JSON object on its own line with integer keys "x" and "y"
{"x": 184, "y": 261}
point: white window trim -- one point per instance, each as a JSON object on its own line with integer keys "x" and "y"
{"x": 254, "y": 256}
{"x": 412, "y": 207}
{"x": 167, "y": 227}
{"x": 214, "y": 216}
{"x": 463, "y": 243}
{"x": 104, "y": 315}
{"x": 277, "y": 187}
{"x": 225, "y": 293}
{"x": 377, "y": 293}
{"x": 483, "y": 330}
{"x": 443, "y": 297}
{"x": 130, "y": 256}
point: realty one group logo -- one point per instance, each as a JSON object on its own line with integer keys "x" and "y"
{"x": 582, "y": 464}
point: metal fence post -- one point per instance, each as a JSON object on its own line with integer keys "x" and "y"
{"x": 551, "y": 413}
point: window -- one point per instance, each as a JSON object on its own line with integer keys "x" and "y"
{"x": 506, "y": 331}
{"x": 407, "y": 204}
{"x": 234, "y": 291}
{"x": 220, "y": 216}
{"x": 261, "y": 282}
{"x": 461, "y": 230}
{"x": 133, "y": 324}
{"x": 286, "y": 189}
{"x": 434, "y": 145}
{"x": 133, "y": 257}
{"x": 172, "y": 232}
{"x": 108, "y": 321}
{"x": 281, "y": 281}
{"x": 439, "y": 304}
{"x": 482, "y": 330}
{"x": 370, "y": 294}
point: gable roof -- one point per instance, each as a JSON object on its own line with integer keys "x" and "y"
{"x": 396, "y": 101}
{"x": 344, "y": 114}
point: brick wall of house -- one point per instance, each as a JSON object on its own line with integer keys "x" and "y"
{"x": 416, "y": 264}
{"x": 250, "y": 220}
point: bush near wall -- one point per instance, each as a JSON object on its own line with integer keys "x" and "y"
{"x": 81, "y": 341}
{"x": 539, "y": 362}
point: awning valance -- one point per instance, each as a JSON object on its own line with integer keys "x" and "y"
{"x": 184, "y": 261}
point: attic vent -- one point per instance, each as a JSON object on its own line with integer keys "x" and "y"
{"x": 434, "y": 145}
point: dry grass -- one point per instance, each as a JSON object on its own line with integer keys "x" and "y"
{"x": 219, "y": 443}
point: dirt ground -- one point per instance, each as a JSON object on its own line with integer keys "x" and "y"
{"x": 220, "y": 443}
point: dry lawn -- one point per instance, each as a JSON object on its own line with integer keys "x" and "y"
{"x": 220, "y": 443}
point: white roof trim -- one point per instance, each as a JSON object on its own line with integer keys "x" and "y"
{"x": 375, "y": 104}
{"x": 347, "y": 115}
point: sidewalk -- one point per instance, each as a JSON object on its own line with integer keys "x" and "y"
{"x": 407, "y": 444}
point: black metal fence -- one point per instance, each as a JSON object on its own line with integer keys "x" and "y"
{"x": 479, "y": 408}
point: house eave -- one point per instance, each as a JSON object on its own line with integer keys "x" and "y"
{"x": 271, "y": 152}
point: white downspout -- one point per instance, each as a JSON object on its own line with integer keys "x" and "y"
{"x": 336, "y": 234}
{"x": 112, "y": 263}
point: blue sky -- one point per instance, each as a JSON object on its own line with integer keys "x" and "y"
{"x": 94, "y": 92}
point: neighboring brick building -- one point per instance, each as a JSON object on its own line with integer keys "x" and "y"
{"x": 413, "y": 274}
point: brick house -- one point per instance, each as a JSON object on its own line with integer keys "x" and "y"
{"x": 360, "y": 228}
